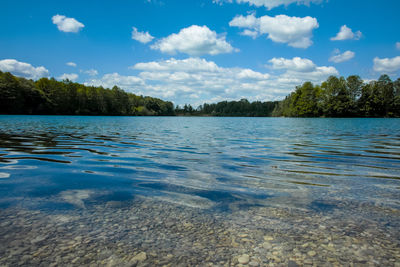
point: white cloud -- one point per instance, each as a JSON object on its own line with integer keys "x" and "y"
{"x": 66, "y": 24}
{"x": 398, "y": 45}
{"x": 175, "y": 65}
{"x": 341, "y": 57}
{"x": 248, "y": 74}
{"x": 111, "y": 79}
{"x": 295, "y": 31}
{"x": 346, "y": 33}
{"x": 271, "y": 3}
{"x": 249, "y": 21}
{"x": 195, "y": 80}
{"x": 274, "y": 3}
{"x": 23, "y": 69}
{"x": 195, "y": 41}
{"x": 91, "y": 72}
{"x": 143, "y": 37}
{"x": 71, "y": 64}
{"x": 298, "y": 70}
{"x": 69, "y": 76}
{"x": 295, "y": 64}
{"x": 191, "y": 79}
{"x": 387, "y": 65}
{"x": 252, "y": 34}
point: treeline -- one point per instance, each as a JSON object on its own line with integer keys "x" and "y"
{"x": 242, "y": 108}
{"x": 49, "y": 96}
{"x": 336, "y": 97}
{"x": 340, "y": 97}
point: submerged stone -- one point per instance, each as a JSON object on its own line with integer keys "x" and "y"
{"x": 244, "y": 259}
{"x": 142, "y": 256}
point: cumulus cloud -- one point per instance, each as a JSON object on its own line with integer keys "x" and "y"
{"x": 296, "y": 64}
{"x": 71, "y": 64}
{"x": 248, "y": 74}
{"x": 66, "y": 24}
{"x": 249, "y": 21}
{"x": 174, "y": 65}
{"x": 111, "y": 79}
{"x": 91, "y": 72}
{"x": 23, "y": 69}
{"x": 196, "y": 80}
{"x": 69, "y": 76}
{"x": 295, "y": 31}
{"x": 252, "y": 34}
{"x": 346, "y": 33}
{"x": 195, "y": 41}
{"x": 192, "y": 79}
{"x": 341, "y": 57}
{"x": 143, "y": 37}
{"x": 387, "y": 65}
{"x": 298, "y": 70}
{"x": 271, "y": 3}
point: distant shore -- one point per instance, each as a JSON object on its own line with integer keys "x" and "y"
{"x": 335, "y": 97}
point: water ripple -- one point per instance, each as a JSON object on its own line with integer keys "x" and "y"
{"x": 201, "y": 162}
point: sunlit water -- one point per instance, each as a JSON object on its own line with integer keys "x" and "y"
{"x": 265, "y": 177}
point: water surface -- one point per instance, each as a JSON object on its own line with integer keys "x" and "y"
{"x": 245, "y": 177}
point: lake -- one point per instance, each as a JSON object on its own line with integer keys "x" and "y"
{"x": 147, "y": 191}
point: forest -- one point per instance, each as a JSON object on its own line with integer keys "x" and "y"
{"x": 335, "y": 97}
{"x": 340, "y": 97}
{"x": 242, "y": 108}
{"x": 49, "y": 96}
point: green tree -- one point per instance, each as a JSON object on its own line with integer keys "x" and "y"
{"x": 305, "y": 101}
{"x": 354, "y": 86}
{"x": 335, "y": 98}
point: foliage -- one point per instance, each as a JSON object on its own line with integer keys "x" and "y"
{"x": 340, "y": 97}
{"x": 242, "y": 108}
{"x": 49, "y": 96}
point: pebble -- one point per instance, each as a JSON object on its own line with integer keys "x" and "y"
{"x": 311, "y": 253}
{"x": 308, "y": 261}
{"x": 142, "y": 256}
{"x": 267, "y": 245}
{"x": 268, "y": 238}
{"x": 254, "y": 264}
{"x": 137, "y": 235}
{"x": 244, "y": 259}
{"x": 292, "y": 264}
{"x": 38, "y": 239}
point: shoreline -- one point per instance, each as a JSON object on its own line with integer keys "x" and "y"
{"x": 190, "y": 116}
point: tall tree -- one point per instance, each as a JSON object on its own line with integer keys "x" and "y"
{"x": 336, "y": 98}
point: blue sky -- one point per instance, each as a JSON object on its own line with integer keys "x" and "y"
{"x": 204, "y": 50}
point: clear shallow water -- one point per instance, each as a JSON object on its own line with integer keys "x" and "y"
{"x": 241, "y": 172}
{"x": 201, "y": 162}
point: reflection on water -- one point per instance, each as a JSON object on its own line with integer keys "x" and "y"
{"x": 65, "y": 164}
